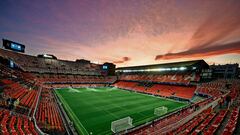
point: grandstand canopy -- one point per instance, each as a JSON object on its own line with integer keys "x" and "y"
{"x": 185, "y": 65}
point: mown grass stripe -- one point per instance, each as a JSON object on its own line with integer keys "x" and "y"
{"x": 77, "y": 123}
{"x": 96, "y": 108}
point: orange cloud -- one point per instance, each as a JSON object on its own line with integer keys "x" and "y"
{"x": 124, "y": 59}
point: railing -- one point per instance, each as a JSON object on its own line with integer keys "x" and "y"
{"x": 32, "y": 107}
{"x": 34, "y": 113}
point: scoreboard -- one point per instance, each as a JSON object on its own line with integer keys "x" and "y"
{"x": 10, "y": 45}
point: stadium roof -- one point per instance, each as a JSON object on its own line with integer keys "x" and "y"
{"x": 194, "y": 63}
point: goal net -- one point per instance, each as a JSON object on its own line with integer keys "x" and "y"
{"x": 121, "y": 124}
{"x": 160, "y": 110}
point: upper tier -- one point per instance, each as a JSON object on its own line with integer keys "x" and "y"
{"x": 43, "y": 65}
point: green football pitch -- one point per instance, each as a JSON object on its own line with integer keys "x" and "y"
{"x": 92, "y": 110}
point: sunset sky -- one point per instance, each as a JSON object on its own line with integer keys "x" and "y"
{"x": 126, "y": 32}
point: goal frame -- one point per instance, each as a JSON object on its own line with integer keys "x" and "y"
{"x": 121, "y": 124}
{"x": 159, "y": 111}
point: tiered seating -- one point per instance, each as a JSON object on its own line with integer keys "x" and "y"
{"x": 171, "y": 90}
{"x": 25, "y": 96}
{"x": 160, "y": 89}
{"x": 189, "y": 126}
{"x": 170, "y": 78}
{"x": 204, "y": 124}
{"x": 7, "y": 82}
{"x": 15, "y": 125}
{"x": 41, "y": 65}
{"x": 29, "y": 98}
{"x": 54, "y": 78}
{"x": 216, "y": 123}
{"x": 125, "y": 85}
{"x": 48, "y": 117}
{"x": 5, "y": 71}
{"x": 163, "y": 90}
{"x": 8, "y": 72}
{"x": 15, "y": 91}
{"x": 211, "y": 88}
{"x": 235, "y": 92}
{"x": 139, "y": 88}
{"x": 75, "y": 85}
{"x": 232, "y": 122}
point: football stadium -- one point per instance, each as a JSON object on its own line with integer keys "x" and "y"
{"x": 54, "y": 82}
{"x": 46, "y": 95}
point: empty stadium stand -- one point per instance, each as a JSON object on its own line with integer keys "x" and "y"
{"x": 212, "y": 88}
{"x": 171, "y": 73}
{"x": 178, "y": 78}
{"x": 189, "y": 126}
{"x": 43, "y": 65}
{"x": 14, "y": 124}
{"x": 232, "y": 122}
{"x": 62, "y": 78}
{"x": 47, "y": 116}
{"x": 164, "y": 90}
{"x": 25, "y": 97}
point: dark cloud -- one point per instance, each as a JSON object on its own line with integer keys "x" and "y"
{"x": 124, "y": 59}
{"x": 219, "y": 24}
{"x": 203, "y": 52}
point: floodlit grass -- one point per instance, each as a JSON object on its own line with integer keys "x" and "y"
{"x": 93, "y": 109}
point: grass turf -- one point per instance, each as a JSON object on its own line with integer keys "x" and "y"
{"x": 93, "y": 109}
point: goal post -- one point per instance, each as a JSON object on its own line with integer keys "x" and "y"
{"x": 160, "y": 111}
{"x": 121, "y": 124}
